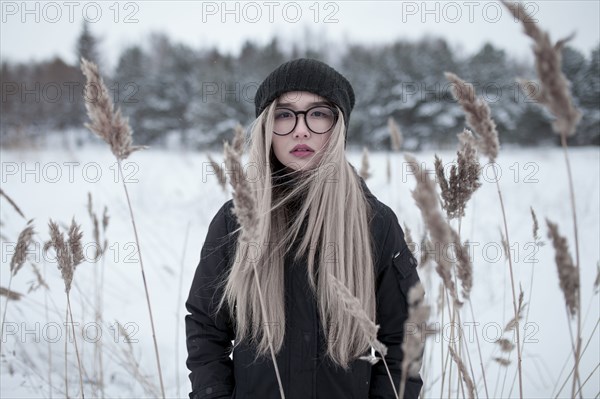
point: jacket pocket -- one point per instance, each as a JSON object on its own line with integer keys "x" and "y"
{"x": 405, "y": 266}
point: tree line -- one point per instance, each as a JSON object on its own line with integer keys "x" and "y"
{"x": 195, "y": 96}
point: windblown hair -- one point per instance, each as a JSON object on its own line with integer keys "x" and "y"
{"x": 328, "y": 229}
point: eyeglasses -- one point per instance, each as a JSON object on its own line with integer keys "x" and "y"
{"x": 319, "y": 119}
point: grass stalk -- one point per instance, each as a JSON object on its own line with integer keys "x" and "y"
{"x": 70, "y": 313}
{"x": 137, "y": 240}
{"x": 180, "y": 290}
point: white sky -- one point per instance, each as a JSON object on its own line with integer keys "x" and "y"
{"x": 39, "y": 30}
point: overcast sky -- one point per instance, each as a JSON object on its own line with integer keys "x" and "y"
{"x": 40, "y": 30}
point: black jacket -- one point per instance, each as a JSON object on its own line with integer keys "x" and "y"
{"x": 305, "y": 372}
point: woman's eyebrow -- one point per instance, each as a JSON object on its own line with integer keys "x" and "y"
{"x": 293, "y": 105}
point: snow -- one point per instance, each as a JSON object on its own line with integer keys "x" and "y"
{"x": 173, "y": 191}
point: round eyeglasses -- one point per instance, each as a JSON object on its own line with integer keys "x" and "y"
{"x": 319, "y": 119}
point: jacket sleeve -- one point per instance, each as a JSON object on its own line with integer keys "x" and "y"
{"x": 209, "y": 336}
{"x": 397, "y": 275}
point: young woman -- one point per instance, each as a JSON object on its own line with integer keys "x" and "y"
{"x": 317, "y": 219}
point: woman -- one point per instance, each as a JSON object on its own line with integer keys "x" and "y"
{"x": 316, "y": 214}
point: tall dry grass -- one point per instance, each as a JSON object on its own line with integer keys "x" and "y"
{"x": 16, "y": 263}
{"x": 553, "y": 93}
{"x": 69, "y": 254}
{"x": 479, "y": 118}
{"x": 244, "y": 208}
{"x": 114, "y": 129}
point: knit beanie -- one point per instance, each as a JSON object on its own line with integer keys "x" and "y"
{"x": 305, "y": 74}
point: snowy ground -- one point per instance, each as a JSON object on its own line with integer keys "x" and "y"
{"x": 175, "y": 191}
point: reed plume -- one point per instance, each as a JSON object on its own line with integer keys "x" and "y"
{"x": 244, "y": 206}
{"x": 364, "y": 167}
{"x": 353, "y": 306}
{"x": 108, "y": 124}
{"x": 16, "y": 263}
{"x": 478, "y": 116}
{"x": 505, "y": 345}
{"x": 39, "y": 280}
{"x": 413, "y": 343}
{"x": 9, "y": 294}
{"x": 514, "y": 322}
{"x": 502, "y": 362}
{"x": 412, "y": 246}
{"x": 69, "y": 254}
{"x": 464, "y": 266}
{"x": 395, "y": 135}
{"x": 463, "y": 180}
{"x": 554, "y": 94}
{"x": 553, "y": 90}
{"x": 222, "y": 179}
{"x": 12, "y": 203}
{"x": 238, "y": 139}
{"x": 425, "y": 197}
{"x": 568, "y": 274}
{"x": 536, "y": 226}
{"x": 480, "y": 119}
{"x": 113, "y": 128}
{"x": 463, "y": 370}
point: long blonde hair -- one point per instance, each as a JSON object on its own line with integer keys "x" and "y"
{"x": 333, "y": 223}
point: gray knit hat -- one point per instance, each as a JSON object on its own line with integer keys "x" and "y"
{"x": 305, "y": 74}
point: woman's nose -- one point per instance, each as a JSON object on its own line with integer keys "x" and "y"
{"x": 301, "y": 130}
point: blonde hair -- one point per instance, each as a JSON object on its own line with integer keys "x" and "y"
{"x": 333, "y": 222}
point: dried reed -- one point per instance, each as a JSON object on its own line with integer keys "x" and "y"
{"x": 554, "y": 88}
{"x": 463, "y": 370}
{"x": 113, "y": 128}
{"x": 244, "y": 205}
{"x": 98, "y": 286}
{"x": 425, "y": 197}
{"x": 413, "y": 344}
{"x": 554, "y": 94}
{"x": 108, "y": 124}
{"x": 355, "y": 309}
{"x": 9, "y": 294}
{"x": 39, "y": 280}
{"x": 568, "y": 274}
{"x": 16, "y": 263}
{"x": 219, "y": 171}
{"x": 412, "y": 246}
{"x": 395, "y": 135}
{"x": 479, "y": 118}
{"x": 238, "y": 139}
{"x": 12, "y": 203}
{"x": 463, "y": 180}
{"x": 129, "y": 362}
{"x": 505, "y": 345}
{"x": 69, "y": 254}
{"x": 364, "y": 166}
{"x": 536, "y": 226}
{"x": 388, "y": 169}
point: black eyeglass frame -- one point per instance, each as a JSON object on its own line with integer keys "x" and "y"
{"x": 296, "y": 113}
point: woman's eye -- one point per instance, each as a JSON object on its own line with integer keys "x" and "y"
{"x": 283, "y": 114}
{"x": 321, "y": 113}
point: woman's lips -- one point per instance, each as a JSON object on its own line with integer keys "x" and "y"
{"x": 302, "y": 153}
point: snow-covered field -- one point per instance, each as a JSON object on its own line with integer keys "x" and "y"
{"x": 175, "y": 196}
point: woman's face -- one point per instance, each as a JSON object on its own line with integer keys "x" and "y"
{"x": 286, "y": 147}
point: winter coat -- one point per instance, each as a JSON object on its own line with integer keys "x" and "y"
{"x": 304, "y": 371}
